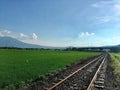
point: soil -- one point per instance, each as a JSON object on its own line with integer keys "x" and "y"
{"x": 79, "y": 81}
{"x": 110, "y": 82}
{"x": 48, "y": 80}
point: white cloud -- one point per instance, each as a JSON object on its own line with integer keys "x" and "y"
{"x": 19, "y": 36}
{"x": 85, "y": 34}
{"x": 103, "y": 19}
{"x": 82, "y": 34}
{"x": 23, "y": 36}
{"x": 34, "y": 36}
{"x": 27, "y": 38}
{"x": 92, "y": 34}
{"x": 108, "y": 11}
{"x": 117, "y": 9}
{"x": 5, "y": 33}
{"x": 103, "y": 4}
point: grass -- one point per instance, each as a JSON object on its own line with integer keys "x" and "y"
{"x": 18, "y": 67}
{"x": 116, "y": 65}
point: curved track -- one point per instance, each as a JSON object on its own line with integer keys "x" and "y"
{"x": 82, "y": 78}
{"x": 86, "y": 74}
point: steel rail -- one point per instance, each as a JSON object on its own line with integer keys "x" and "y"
{"x": 60, "y": 82}
{"x": 91, "y": 85}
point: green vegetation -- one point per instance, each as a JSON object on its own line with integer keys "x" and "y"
{"x": 18, "y": 67}
{"x": 116, "y": 65}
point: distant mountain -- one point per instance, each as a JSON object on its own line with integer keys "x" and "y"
{"x": 12, "y": 42}
{"x": 118, "y": 45}
{"x": 112, "y": 46}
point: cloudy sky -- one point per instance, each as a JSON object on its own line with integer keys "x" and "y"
{"x": 61, "y": 22}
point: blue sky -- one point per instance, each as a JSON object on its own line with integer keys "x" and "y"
{"x": 61, "y": 22}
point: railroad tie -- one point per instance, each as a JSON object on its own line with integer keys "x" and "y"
{"x": 99, "y": 82}
{"x": 99, "y": 86}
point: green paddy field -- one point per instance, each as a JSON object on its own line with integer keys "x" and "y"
{"x": 116, "y": 66}
{"x": 18, "y": 67}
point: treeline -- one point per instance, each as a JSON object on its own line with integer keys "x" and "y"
{"x": 88, "y": 49}
{"x": 115, "y": 49}
{"x": 21, "y": 48}
{"x": 95, "y": 49}
{"x": 17, "y": 48}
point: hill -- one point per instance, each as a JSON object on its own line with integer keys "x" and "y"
{"x": 12, "y": 42}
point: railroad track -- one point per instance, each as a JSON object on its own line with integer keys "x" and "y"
{"x": 99, "y": 78}
{"x": 88, "y": 77}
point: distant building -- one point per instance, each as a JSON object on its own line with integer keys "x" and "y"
{"x": 106, "y": 50}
